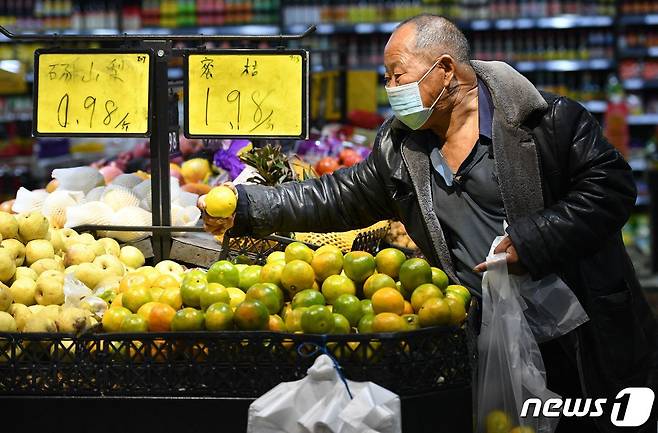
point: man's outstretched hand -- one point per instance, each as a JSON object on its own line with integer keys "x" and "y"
{"x": 213, "y": 225}
{"x": 514, "y": 265}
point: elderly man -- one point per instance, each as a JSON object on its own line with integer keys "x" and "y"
{"x": 474, "y": 144}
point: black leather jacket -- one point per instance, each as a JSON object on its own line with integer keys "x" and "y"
{"x": 567, "y": 193}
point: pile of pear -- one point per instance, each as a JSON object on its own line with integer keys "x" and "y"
{"x": 34, "y": 261}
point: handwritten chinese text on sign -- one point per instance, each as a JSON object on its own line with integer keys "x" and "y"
{"x": 92, "y": 93}
{"x": 247, "y": 94}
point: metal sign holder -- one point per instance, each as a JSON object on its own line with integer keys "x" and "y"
{"x": 161, "y": 46}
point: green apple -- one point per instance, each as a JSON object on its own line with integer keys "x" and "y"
{"x": 38, "y": 249}
{"x": 131, "y": 257}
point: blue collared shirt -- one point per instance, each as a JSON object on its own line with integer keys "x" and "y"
{"x": 468, "y": 203}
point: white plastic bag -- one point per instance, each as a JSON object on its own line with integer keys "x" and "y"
{"x": 510, "y": 366}
{"x": 321, "y": 403}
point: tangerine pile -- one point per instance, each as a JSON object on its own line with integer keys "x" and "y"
{"x": 297, "y": 290}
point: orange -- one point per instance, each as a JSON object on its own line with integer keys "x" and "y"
{"x": 358, "y": 265}
{"x": 194, "y": 273}
{"x": 172, "y": 297}
{"x": 294, "y": 319}
{"x": 326, "y": 264}
{"x": 376, "y": 282}
{"x": 188, "y": 319}
{"x": 212, "y": 293}
{"x": 135, "y": 297}
{"x": 224, "y": 273}
{"x": 150, "y": 273}
{"x": 415, "y": 272}
{"x": 250, "y": 276}
{"x": 462, "y": 291}
{"x": 434, "y": 312}
{"x": 156, "y": 292}
{"x": 271, "y": 272}
{"x": 269, "y": 295}
{"x": 412, "y": 321}
{"x": 498, "y": 421}
{"x": 221, "y": 202}
{"x": 439, "y": 278}
{"x": 341, "y": 324}
{"x": 317, "y": 319}
{"x": 337, "y": 285}
{"x": 422, "y": 293}
{"x": 276, "y": 323}
{"x": 191, "y": 290}
{"x": 117, "y": 301}
{"x": 365, "y": 323}
{"x": 329, "y": 249}
{"x": 134, "y": 323}
{"x": 145, "y": 310}
{"x": 113, "y": 318}
{"x": 388, "y": 300}
{"x": 219, "y": 317}
{"x": 388, "y": 322}
{"x": 236, "y": 295}
{"x": 297, "y": 275}
{"x": 160, "y": 317}
{"x": 457, "y": 311}
{"x": 366, "y": 307}
{"x": 306, "y": 298}
{"x": 133, "y": 279}
{"x": 276, "y": 256}
{"x": 408, "y": 309}
{"x": 196, "y": 170}
{"x": 389, "y": 260}
{"x": 166, "y": 281}
{"x": 522, "y": 429}
{"x": 350, "y": 307}
{"x": 251, "y": 315}
{"x": 298, "y": 251}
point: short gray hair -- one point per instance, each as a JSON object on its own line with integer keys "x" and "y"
{"x": 435, "y": 31}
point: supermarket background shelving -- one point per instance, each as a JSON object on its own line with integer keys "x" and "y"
{"x": 567, "y": 47}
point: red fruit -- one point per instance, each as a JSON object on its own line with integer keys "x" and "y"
{"x": 349, "y": 157}
{"x": 326, "y": 165}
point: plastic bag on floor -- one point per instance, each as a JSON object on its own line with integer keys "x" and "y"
{"x": 323, "y": 403}
{"x": 510, "y": 366}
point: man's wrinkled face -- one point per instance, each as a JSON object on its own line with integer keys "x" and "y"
{"x": 404, "y": 64}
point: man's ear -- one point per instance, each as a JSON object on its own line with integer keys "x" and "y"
{"x": 447, "y": 63}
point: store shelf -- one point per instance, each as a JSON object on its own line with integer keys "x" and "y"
{"x": 20, "y": 117}
{"x": 643, "y": 119}
{"x": 255, "y": 29}
{"x": 564, "y": 65}
{"x": 640, "y": 84}
{"x": 558, "y": 22}
{"x": 634, "y": 20}
{"x": 638, "y": 164}
{"x": 595, "y": 106}
{"x": 639, "y": 52}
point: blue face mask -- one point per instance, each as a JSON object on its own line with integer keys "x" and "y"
{"x": 407, "y": 103}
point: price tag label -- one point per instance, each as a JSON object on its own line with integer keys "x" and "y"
{"x": 92, "y": 93}
{"x": 247, "y": 93}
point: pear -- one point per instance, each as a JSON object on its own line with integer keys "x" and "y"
{"x": 71, "y": 320}
{"x": 43, "y": 265}
{"x": 36, "y": 308}
{"x": 5, "y": 298}
{"x": 20, "y": 313}
{"x": 71, "y": 269}
{"x": 16, "y": 248}
{"x": 51, "y": 311}
{"x": 111, "y": 264}
{"x": 131, "y": 256}
{"x": 38, "y": 249}
{"x": 23, "y": 291}
{"x": 86, "y": 238}
{"x": 7, "y": 265}
{"x": 111, "y": 246}
{"x": 68, "y": 237}
{"x": 24, "y": 272}
{"x": 32, "y": 225}
{"x": 7, "y": 322}
{"x": 90, "y": 274}
{"x": 79, "y": 253}
{"x": 8, "y": 226}
{"x": 50, "y": 288}
{"x": 38, "y": 323}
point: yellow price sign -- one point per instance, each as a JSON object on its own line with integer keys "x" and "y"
{"x": 92, "y": 93}
{"x": 247, "y": 93}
